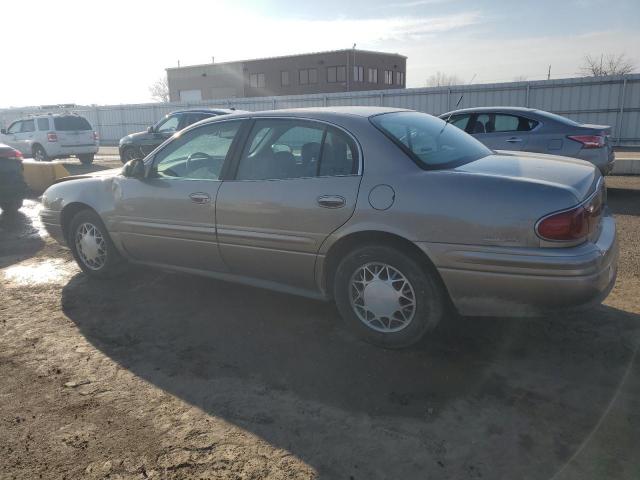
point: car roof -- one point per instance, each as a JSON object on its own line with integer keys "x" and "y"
{"x": 212, "y": 111}
{"x": 319, "y": 113}
{"x": 491, "y": 109}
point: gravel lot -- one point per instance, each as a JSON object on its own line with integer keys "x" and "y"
{"x": 159, "y": 375}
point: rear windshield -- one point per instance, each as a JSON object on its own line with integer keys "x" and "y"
{"x": 71, "y": 123}
{"x": 430, "y": 141}
{"x": 558, "y": 118}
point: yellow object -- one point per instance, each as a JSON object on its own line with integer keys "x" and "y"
{"x": 40, "y": 175}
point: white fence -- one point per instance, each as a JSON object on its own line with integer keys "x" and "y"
{"x": 611, "y": 101}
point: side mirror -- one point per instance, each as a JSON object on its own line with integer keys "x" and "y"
{"x": 134, "y": 169}
{"x": 150, "y": 129}
{"x": 3, "y": 131}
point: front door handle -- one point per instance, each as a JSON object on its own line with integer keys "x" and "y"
{"x": 514, "y": 140}
{"x": 331, "y": 201}
{"x": 200, "y": 198}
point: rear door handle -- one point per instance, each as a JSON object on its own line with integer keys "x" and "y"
{"x": 200, "y": 198}
{"x": 514, "y": 140}
{"x": 331, "y": 201}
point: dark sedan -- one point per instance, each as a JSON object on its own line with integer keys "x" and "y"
{"x": 530, "y": 130}
{"x": 12, "y": 186}
{"x": 139, "y": 145}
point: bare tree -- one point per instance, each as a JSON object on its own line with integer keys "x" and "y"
{"x": 604, "y": 65}
{"x": 441, "y": 79}
{"x": 160, "y": 90}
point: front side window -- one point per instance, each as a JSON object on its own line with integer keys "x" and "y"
{"x": 199, "y": 154}
{"x": 169, "y": 125}
{"x": 460, "y": 121}
{"x": 429, "y": 141}
{"x": 285, "y": 149}
{"x": 29, "y": 126}
{"x": 15, "y": 127}
{"x": 43, "y": 124}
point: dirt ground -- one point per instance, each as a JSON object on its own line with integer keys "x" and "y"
{"x": 158, "y": 375}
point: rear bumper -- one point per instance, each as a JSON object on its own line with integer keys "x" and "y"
{"x": 603, "y": 158}
{"x": 60, "y": 151}
{"x": 510, "y": 282}
{"x": 52, "y": 222}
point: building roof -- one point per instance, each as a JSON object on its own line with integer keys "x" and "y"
{"x": 344, "y": 50}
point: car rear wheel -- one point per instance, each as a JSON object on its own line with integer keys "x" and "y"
{"x": 39, "y": 154}
{"x": 386, "y": 297}
{"x": 92, "y": 247}
{"x": 86, "y": 159}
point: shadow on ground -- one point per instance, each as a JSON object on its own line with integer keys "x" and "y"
{"x": 484, "y": 390}
{"x": 21, "y": 233}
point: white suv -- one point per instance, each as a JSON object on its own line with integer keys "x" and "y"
{"x": 45, "y": 137}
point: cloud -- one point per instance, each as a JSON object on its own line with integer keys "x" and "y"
{"x": 412, "y": 3}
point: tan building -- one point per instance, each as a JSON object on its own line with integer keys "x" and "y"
{"x": 322, "y": 72}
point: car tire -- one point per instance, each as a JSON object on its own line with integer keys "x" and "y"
{"x": 387, "y": 297}
{"x": 11, "y": 206}
{"x": 39, "y": 153}
{"x": 86, "y": 159}
{"x": 92, "y": 247}
{"x": 129, "y": 153}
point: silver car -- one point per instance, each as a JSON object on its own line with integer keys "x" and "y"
{"x": 530, "y": 130}
{"x": 393, "y": 214}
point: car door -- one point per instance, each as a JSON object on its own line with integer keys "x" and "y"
{"x": 25, "y": 137}
{"x": 168, "y": 218}
{"x": 12, "y": 137}
{"x": 296, "y": 181}
{"x": 500, "y": 131}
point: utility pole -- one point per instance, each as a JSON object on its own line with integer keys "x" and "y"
{"x": 549, "y": 73}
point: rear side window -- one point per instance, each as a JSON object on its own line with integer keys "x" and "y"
{"x": 499, "y": 122}
{"x": 43, "y": 124}
{"x": 282, "y": 149}
{"x": 429, "y": 141}
{"x": 71, "y": 123}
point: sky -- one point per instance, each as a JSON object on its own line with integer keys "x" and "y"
{"x": 110, "y": 51}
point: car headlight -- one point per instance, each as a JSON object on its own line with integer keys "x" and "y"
{"x": 125, "y": 140}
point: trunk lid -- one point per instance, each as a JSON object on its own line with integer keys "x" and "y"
{"x": 575, "y": 176}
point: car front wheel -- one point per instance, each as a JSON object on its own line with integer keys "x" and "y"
{"x": 387, "y": 297}
{"x": 92, "y": 247}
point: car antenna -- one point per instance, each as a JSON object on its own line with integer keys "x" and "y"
{"x": 446, "y": 122}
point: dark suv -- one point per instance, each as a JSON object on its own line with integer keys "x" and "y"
{"x": 12, "y": 186}
{"x": 139, "y": 145}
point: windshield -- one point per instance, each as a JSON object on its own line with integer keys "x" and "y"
{"x": 429, "y": 141}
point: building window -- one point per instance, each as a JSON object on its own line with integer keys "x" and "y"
{"x": 388, "y": 77}
{"x": 358, "y": 73}
{"x": 373, "y": 75}
{"x": 256, "y": 80}
{"x": 336, "y": 74}
{"x": 284, "y": 78}
{"x": 307, "y": 76}
{"x": 400, "y": 78}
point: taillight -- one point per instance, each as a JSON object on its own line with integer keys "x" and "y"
{"x": 52, "y": 137}
{"x": 11, "y": 154}
{"x": 96, "y": 137}
{"x": 574, "y": 224}
{"x": 589, "y": 141}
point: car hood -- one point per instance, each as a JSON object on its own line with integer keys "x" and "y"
{"x": 112, "y": 172}
{"x": 577, "y": 176}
